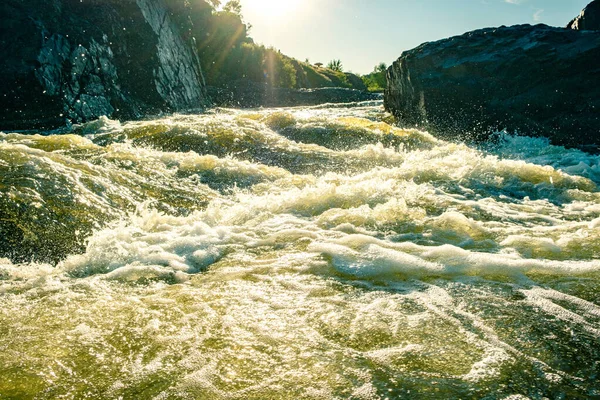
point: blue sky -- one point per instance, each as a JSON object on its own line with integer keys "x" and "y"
{"x": 363, "y": 33}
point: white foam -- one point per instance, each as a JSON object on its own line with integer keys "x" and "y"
{"x": 339, "y": 269}
{"x": 366, "y": 256}
{"x": 99, "y": 126}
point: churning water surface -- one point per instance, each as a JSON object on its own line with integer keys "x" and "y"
{"x": 301, "y": 253}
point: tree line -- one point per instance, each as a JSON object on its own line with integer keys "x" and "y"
{"x": 228, "y": 53}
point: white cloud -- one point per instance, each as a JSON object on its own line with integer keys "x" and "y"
{"x": 513, "y": 1}
{"x": 537, "y": 16}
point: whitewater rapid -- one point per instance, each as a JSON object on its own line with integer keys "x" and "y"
{"x": 299, "y": 253}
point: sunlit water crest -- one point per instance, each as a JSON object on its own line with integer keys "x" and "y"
{"x": 302, "y": 253}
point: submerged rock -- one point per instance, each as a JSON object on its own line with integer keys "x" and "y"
{"x": 66, "y": 61}
{"x": 589, "y": 19}
{"x": 535, "y": 80}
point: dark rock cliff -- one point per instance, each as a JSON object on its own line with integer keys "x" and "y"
{"x": 67, "y": 61}
{"x": 589, "y": 19}
{"x": 535, "y": 80}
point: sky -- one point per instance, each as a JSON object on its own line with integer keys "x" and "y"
{"x": 363, "y": 33}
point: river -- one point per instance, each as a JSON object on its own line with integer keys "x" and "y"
{"x": 298, "y": 253}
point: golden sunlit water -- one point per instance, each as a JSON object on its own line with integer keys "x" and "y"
{"x": 302, "y": 253}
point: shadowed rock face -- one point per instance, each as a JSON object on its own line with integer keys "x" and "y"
{"x": 69, "y": 61}
{"x": 589, "y": 19}
{"x": 536, "y": 80}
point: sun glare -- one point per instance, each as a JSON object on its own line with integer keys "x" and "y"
{"x": 272, "y": 8}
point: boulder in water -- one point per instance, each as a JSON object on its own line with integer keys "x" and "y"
{"x": 69, "y": 61}
{"x": 534, "y": 80}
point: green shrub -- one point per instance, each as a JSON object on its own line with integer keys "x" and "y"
{"x": 376, "y": 81}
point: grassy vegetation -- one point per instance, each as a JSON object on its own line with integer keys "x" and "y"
{"x": 324, "y": 77}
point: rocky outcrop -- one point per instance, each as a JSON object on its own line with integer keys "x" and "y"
{"x": 246, "y": 94}
{"x": 535, "y": 80}
{"x": 589, "y": 19}
{"x": 67, "y": 61}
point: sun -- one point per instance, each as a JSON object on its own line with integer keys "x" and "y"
{"x": 271, "y": 8}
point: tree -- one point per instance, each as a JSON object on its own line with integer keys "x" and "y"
{"x": 213, "y": 3}
{"x": 381, "y": 67}
{"x": 376, "y": 81}
{"x": 335, "y": 65}
{"x": 234, "y": 7}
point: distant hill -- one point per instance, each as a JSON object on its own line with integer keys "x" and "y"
{"x": 310, "y": 76}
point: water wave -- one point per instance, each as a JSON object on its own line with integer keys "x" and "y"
{"x": 314, "y": 253}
